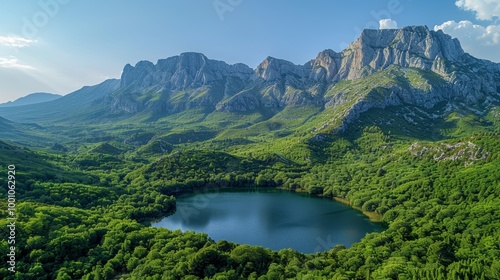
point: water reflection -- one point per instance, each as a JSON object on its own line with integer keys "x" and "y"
{"x": 270, "y": 219}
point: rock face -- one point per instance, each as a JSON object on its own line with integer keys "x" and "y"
{"x": 422, "y": 67}
{"x": 416, "y": 47}
{"x": 177, "y": 83}
{"x": 273, "y": 69}
{"x": 188, "y": 70}
{"x": 411, "y": 66}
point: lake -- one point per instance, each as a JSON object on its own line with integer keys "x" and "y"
{"x": 270, "y": 218}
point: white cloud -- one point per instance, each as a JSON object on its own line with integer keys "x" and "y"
{"x": 14, "y": 41}
{"x": 484, "y": 9}
{"x": 12, "y": 62}
{"x": 388, "y": 24}
{"x": 479, "y": 41}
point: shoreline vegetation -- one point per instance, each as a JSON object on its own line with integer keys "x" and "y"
{"x": 86, "y": 215}
{"x": 303, "y": 217}
{"x": 403, "y": 125}
{"x": 372, "y": 216}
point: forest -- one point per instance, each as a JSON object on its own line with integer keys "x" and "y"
{"x": 88, "y": 214}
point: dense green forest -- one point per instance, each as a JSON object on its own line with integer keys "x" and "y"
{"x": 85, "y": 212}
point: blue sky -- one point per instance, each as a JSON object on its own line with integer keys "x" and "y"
{"x": 58, "y": 46}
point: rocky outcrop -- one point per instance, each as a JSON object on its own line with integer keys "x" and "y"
{"x": 467, "y": 152}
{"x": 410, "y": 66}
{"x": 453, "y": 76}
{"x": 375, "y": 50}
{"x": 245, "y": 101}
{"x": 273, "y": 69}
{"x": 445, "y": 73}
{"x": 415, "y": 46}
{"x": 178, "y": 83}
{"x": 188, "y": 70}
{"x": 325, "y": 67}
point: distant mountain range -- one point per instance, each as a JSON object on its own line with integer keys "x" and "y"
{"x": 34, "y": 98}
{"x": 423, "y": 75}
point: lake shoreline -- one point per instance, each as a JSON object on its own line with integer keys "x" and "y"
{"x": 307, "y": 223}
{"x": 372, "y": 216}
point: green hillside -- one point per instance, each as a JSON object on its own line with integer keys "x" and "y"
{"x": 403, "y": 126}
{"x": 85, "y": 214}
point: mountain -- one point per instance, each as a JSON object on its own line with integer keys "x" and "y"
{"x": 409, "y": 66}
{"x": 398, "y": 68}
{"x": 402, "y": 125}
{"x": 61, "y": 108}
{"x": 178, "y": 83}
{"x": 34, "y": 98}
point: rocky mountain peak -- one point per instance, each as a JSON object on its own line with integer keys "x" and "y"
{"x": 272, "y": 69}
{"x": 181, "y": 72}
{"x": 325, "y": 66}
{"x": 412, "y": 46}
{"x": 408, "y": 66}
{"x": 139, "y": 72}
{"x": 193, "y": 62}
{"x": 417, "y": 40}
{"x": 375, "y": 50}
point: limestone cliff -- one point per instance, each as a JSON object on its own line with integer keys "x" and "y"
{"x": 409, "y": 66}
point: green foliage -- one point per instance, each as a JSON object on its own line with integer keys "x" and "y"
{"x": 87, "y": 214}
{"x": 106, "y": 148}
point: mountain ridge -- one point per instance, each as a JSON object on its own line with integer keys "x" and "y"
{"x": 33, "y": 98}
{"x": 61, "y": 108}
{"x": 411, "y": 66}
{"x": 450, "y": 75}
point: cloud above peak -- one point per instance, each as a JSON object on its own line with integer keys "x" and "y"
{"x": 388, "y": 24}
{"x": 15, "y": 41}
{"x": 484, "y": 9}
{"x": 478, "y": 40}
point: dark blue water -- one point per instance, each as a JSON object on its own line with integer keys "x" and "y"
{"x": 274, "y": 220}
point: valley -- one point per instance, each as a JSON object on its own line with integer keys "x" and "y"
{"x": 402, "y": 124}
